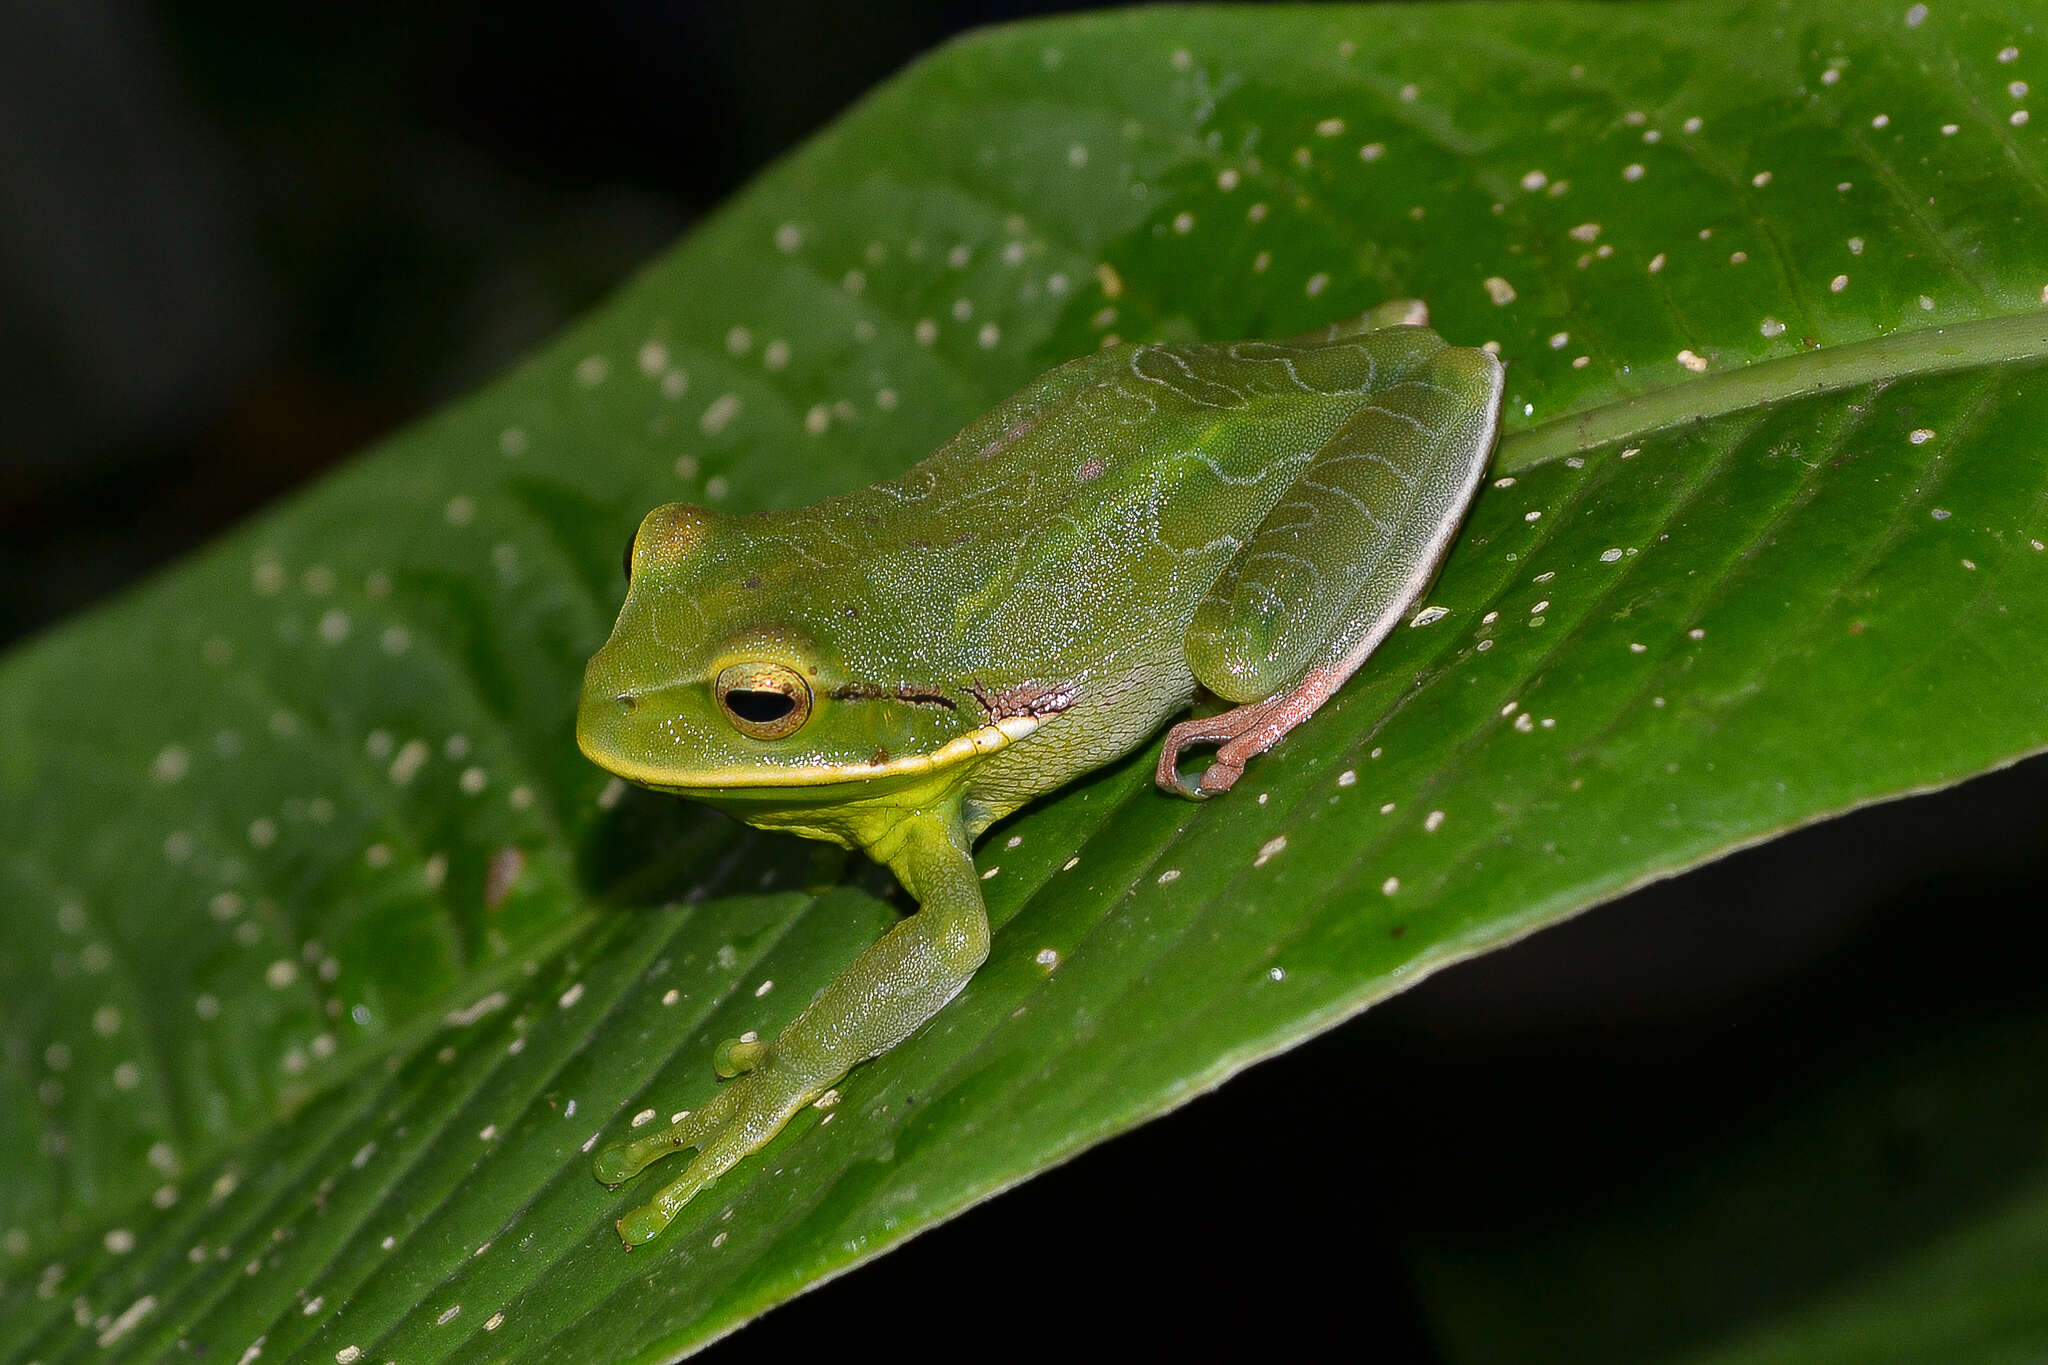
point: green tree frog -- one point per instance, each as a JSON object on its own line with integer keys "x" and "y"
{"x": 897, "y": 668}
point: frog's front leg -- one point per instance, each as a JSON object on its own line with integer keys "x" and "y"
{"x": 895, "y": 986}
{"x": 1338, "y": 559}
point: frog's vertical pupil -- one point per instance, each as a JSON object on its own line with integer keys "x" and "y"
{"x": 631, "y": 541}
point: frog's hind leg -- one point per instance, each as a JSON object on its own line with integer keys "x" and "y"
{"x": 1337, "y": 561}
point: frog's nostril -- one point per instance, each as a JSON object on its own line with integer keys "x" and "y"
{"x": 628, "y": 701}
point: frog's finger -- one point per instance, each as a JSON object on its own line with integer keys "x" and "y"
{"x": 762, "y": 1102}
{"x": 622, "y": 1161}
{"x": 737, "y": 1056}
{"x": 645, "y": 1223}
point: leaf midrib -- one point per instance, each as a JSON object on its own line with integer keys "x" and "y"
{"x": 1971, "y": 345}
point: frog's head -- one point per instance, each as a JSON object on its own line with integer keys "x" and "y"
{"x": 722, "y": 679}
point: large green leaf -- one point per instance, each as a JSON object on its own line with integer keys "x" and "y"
{"x": 328, "y": 957}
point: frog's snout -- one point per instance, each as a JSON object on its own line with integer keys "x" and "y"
{"x": 605, "y": 717}
{"x": 605, "y": 725}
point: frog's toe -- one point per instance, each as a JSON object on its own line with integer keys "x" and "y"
{"x": 1168, "y": 774}
{"x": 1180, "y": 786}
{"x": 1217, "y": 778}
{"x": 1242, "y": 733}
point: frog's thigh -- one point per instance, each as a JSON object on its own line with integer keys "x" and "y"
{"x": 1338, "y": 560}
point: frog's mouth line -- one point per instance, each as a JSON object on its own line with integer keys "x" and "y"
{"x": 985, "y": 740}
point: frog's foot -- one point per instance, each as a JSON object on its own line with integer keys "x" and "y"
{"x": 1242, "y": 733}
{"x": 737, "y": 1121}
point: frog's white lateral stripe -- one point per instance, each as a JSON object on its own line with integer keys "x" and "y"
{"x": 985, "y": 740}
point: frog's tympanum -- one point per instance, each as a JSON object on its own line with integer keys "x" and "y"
{"x": 897, "y": 668}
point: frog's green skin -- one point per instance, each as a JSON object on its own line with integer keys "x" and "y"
{"x": 1031, "y": 602}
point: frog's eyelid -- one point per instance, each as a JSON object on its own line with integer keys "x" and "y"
{"x": 631, "y": 541}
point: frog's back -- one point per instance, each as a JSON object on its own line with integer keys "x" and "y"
{"x": 1084, "y": 516}
{"x": 1153, "y": 460}
{"x": 1161, "y": 424}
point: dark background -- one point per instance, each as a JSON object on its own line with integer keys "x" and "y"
{"x": 240, "y": 241}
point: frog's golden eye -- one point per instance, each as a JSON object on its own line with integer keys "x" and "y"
{"x": 631, "y": 541}
{"x": 764, "y": 700}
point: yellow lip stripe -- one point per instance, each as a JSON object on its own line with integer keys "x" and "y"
{"x": 985, "y": 740}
